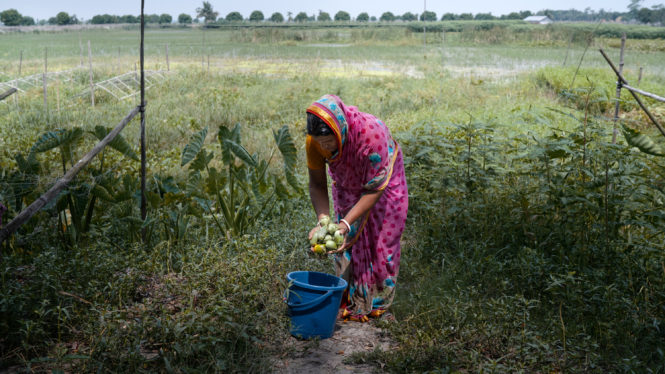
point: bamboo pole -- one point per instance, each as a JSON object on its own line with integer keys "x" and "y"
{"x": 644, "y": 93}
{"x": 92, "y": 84}
{"x": 570, "y": 42}
{"x": 618, "y": 93}
{"x": 80, "y": 49}
{"x": 44, "y": 80}
{"x": 7, "y": 93}
{"x": 168, "y": 65}
{"x": 53, "y": 192}
{"x": 637, "y": 98}
{"x": 144, "y": 207}
{"x": 639, "y": 77}
{"x": 20, "y": 63}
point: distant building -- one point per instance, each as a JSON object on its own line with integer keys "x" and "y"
{"x": 540, "y": 20}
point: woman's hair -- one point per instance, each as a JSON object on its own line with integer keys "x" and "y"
{"x": 316, "y": 126}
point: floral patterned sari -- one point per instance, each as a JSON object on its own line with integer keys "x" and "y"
{"x": 367, "y": 160}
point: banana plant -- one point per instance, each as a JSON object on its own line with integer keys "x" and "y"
{"x": 244, "y": 189}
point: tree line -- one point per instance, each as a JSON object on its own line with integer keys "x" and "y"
{"x": 636, "y": 13}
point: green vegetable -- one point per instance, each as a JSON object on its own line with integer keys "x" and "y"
{"x": 324, "y": 221}
{"x": 332, "y": 228}
{"x": 331, "y": 245}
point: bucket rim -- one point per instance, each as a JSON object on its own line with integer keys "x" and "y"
{"x": 343, "y": 284}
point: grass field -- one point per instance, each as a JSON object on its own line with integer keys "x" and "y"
{"x": 533, "y": 244}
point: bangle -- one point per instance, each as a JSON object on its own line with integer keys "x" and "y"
{"x": 346, "y": 223}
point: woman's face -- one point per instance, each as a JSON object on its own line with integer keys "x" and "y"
{"x": 327, "y": 142}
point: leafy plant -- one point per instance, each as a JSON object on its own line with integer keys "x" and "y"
{"x": 244, "y": 190}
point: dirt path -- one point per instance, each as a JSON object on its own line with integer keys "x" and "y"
{"x": 329, "y": 355}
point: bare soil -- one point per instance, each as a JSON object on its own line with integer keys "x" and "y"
{"x": 331, "y": 355}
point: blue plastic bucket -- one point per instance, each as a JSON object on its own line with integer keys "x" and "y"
{"x": 313, "y": 299}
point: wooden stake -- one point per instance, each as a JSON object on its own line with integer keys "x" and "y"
{"x": 208, "y": 63}
{"x": 44, "y": 81}
{"x": 168, "y": 66}
{"x": 618, "y": 92}
{"x": 92, "y": 85}
{"x": 639, "y": 78}
{"x": 57, "y": 96}
{"x": 570, "y": 41}
{"x": 119, "y": 69}
{"x": 144, "y": 206}
{"x": 20, "y": 64}
{"x": 80, "y": 49}
{"x": 7, "y": 93}
{"x": 624, "y": 82}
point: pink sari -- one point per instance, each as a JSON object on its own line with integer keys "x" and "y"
{"x": 368, "y": 159}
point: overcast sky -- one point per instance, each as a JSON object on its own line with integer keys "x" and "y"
{"x": 44, "y": 9}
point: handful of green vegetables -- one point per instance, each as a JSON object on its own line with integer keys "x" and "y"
{"x": 327, "y": 237}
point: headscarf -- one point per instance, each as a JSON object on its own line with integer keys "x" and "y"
{"x": 330, "y": 109}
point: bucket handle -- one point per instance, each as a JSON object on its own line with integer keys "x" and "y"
{"x": 309, "y": 304}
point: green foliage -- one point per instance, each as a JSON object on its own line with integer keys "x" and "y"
{"x": 277, "y": 17}
{"x": 643, "y": 142}
{"x": 256, "y": 16}
{"x": 245, "y": 194}
{"x": 10, "y": 17}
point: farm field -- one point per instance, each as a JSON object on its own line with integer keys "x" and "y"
{"x": 533, "y": 243}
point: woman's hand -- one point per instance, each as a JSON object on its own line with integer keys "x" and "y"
{"x": 344, "y": 246}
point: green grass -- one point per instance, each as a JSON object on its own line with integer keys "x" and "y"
{"x": 516, "y": 257}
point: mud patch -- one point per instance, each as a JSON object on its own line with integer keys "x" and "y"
{"x": 331, "y": 355}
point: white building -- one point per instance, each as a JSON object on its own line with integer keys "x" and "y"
{"x": 540, "y": 20}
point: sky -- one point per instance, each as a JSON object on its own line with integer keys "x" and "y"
{"x": 85, "y": 9}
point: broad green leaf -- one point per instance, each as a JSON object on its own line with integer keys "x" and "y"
{"x": 118, "y": 143}
{"x": 101, "y": 193}
{"x": 56, "y": 138}
{"x": 240, "y": 152}
{"x": 641, "y": 141}
{"x": 286, "y": 146}
{"x": 195, "y": 144}
{"x": 292, "y": 180}
{"x": 202, "y": 160}
{"x": 225, "y": 134}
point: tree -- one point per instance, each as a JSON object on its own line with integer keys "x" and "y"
{"x": 466, "y": 16}
{"x": 165, "y": 19}
{"x": 103, "y": 19}
{"x": 11, "y": 17}
{"x": 323, "y": 17}
{"x": 151, "y": 18}
{"x": 128, "y": 18}
{"x": 512, "y": 15}
{"x": 525, "y": 13}
{"x": 27, "y": 21}
{"x": 206, "y": 13}
{"x": 342, "y": 16}
{"x": 634, "y": 8}
{"x": 63, "y": 18}
{"x": 234, "y": 17}
{"x": 256, "y": 16}
{"x": 428, "y": 16}
{"x": 362, "y": 17}
{"x": 184, "y": 19}
{"x": 448, "y": 17}
{"x": 387, "y": 17}
{"x": 484, "y": 16}
{"x": 277, "y": 17}
{"x": 408, "y": 16}
{"x": 372, "y": 18}
{"x": 301, "y": 17}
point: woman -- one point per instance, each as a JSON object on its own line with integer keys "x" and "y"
{"x": 370, "y": 199}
